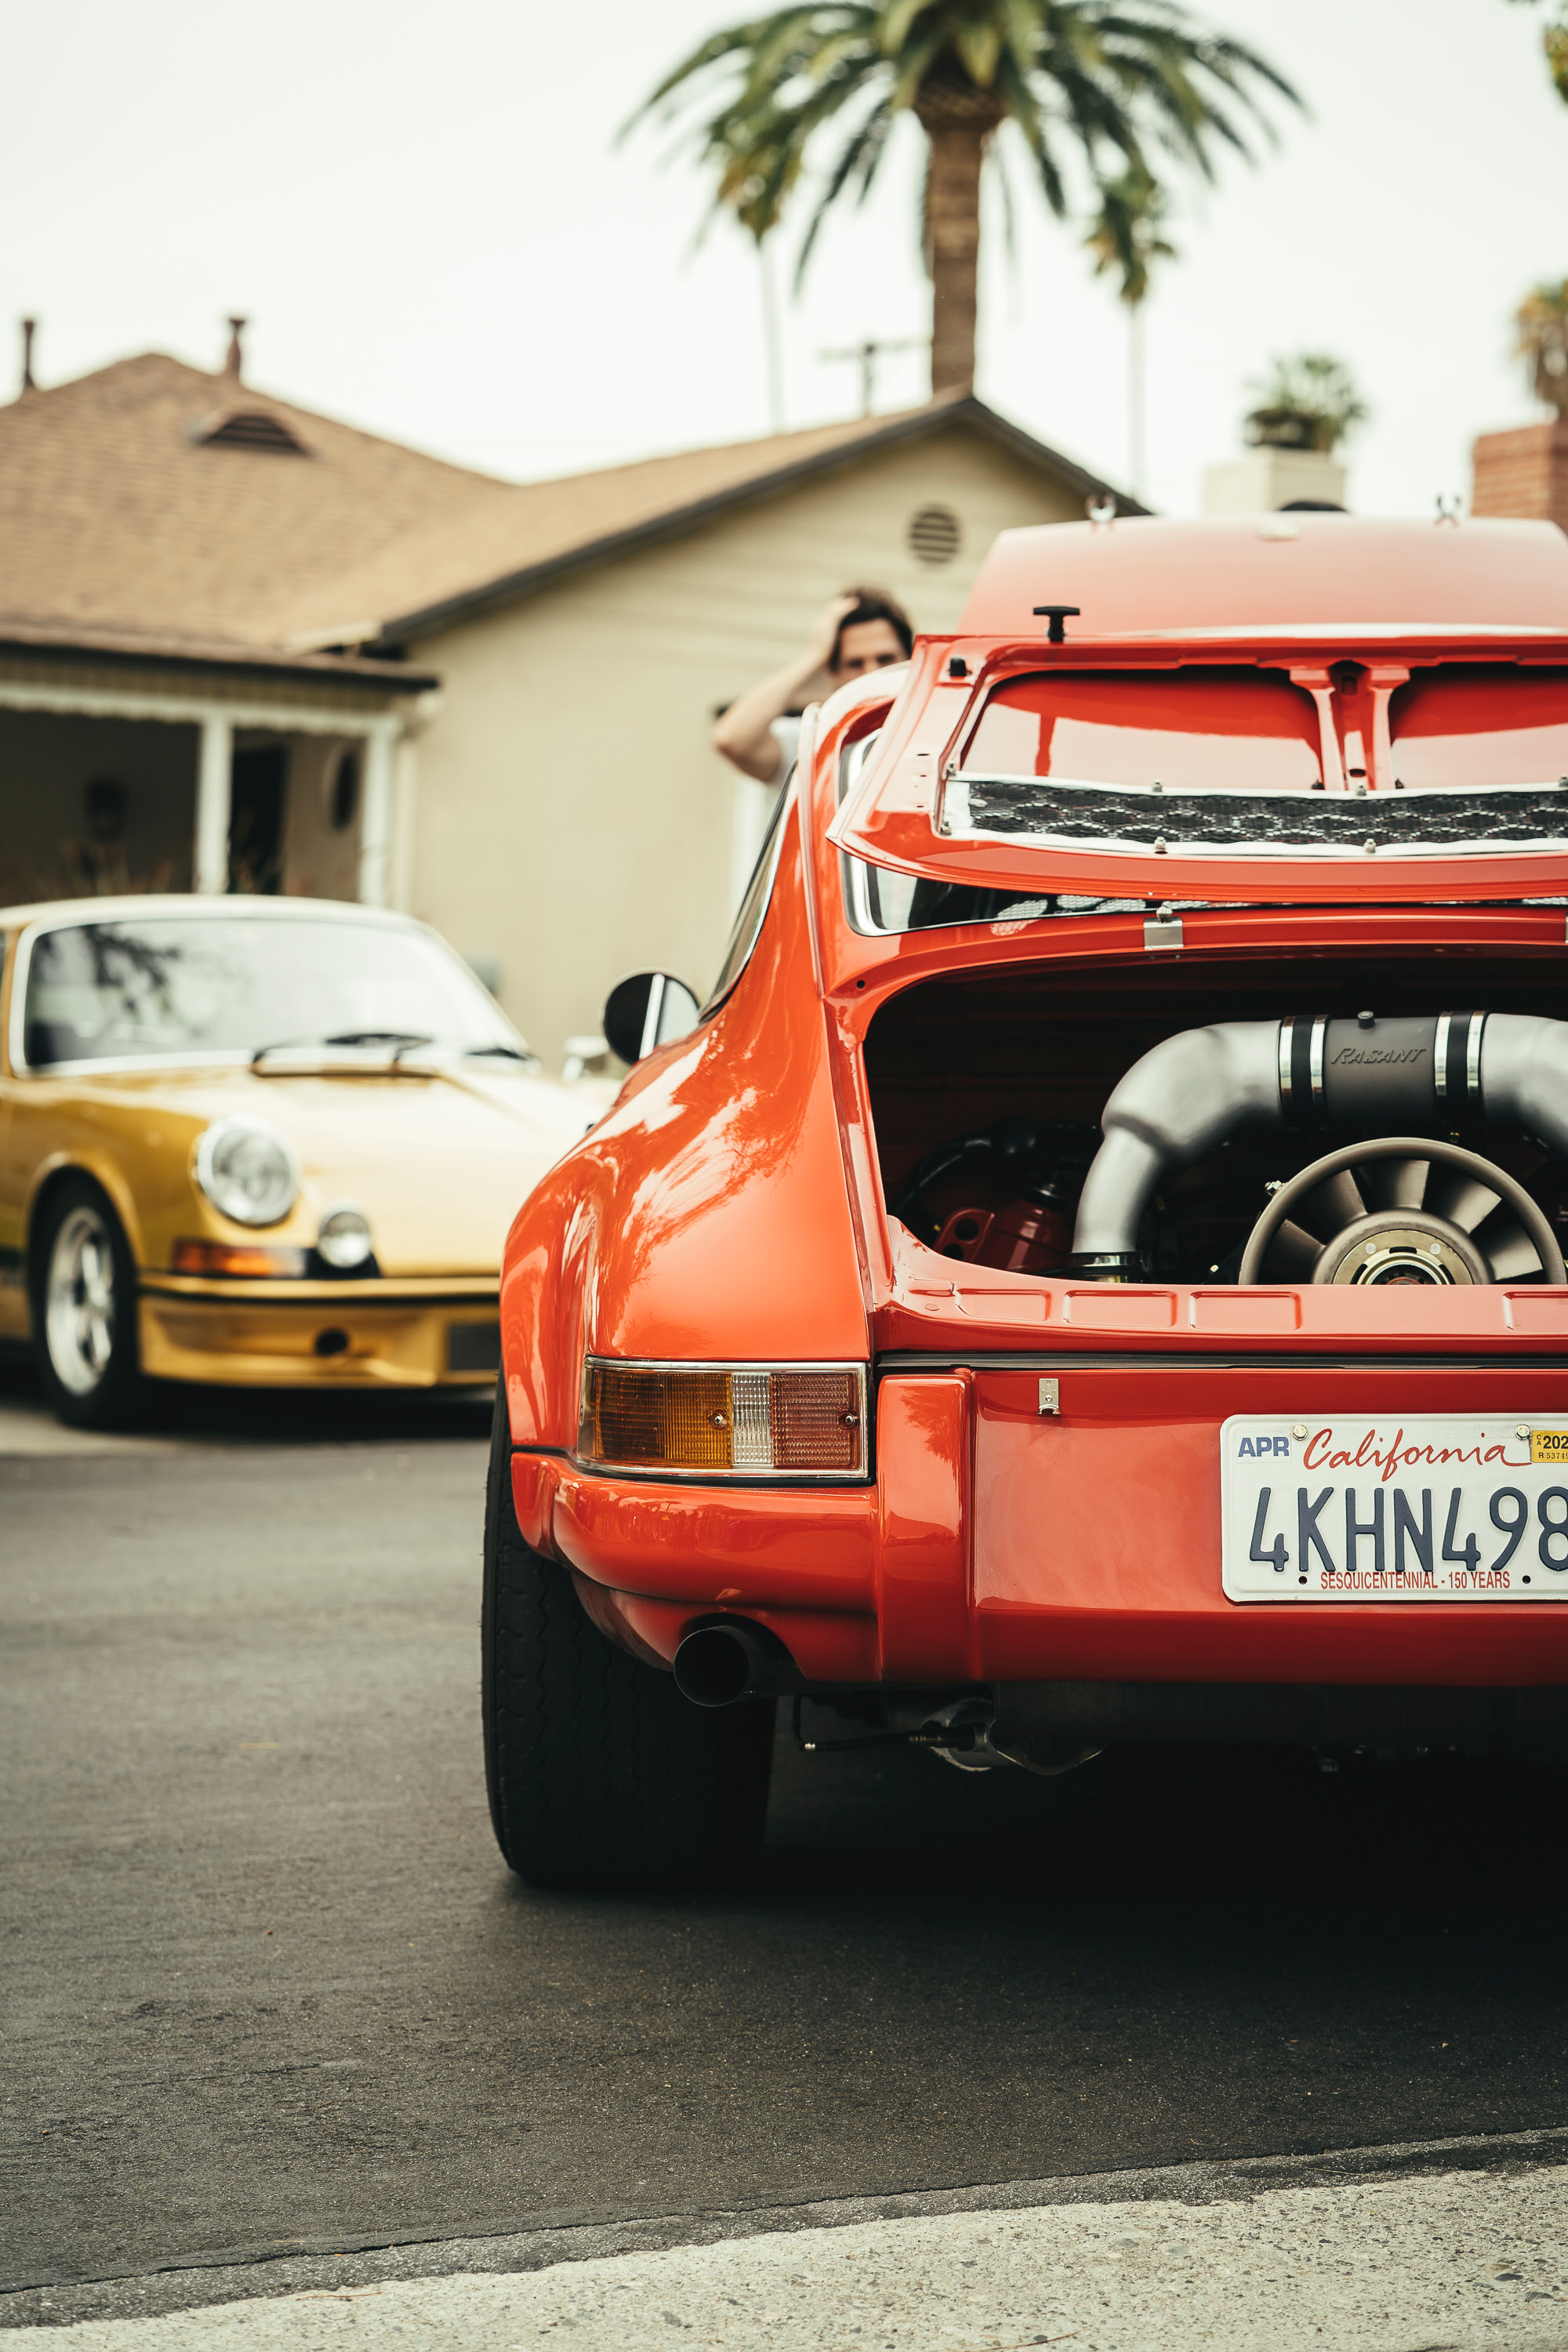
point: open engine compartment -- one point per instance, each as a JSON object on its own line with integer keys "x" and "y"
{"x": 987, "y": 1090}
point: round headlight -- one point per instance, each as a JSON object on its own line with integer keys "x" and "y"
{"x": 247, "y": 1172}
{"x": 345, "y": 1239}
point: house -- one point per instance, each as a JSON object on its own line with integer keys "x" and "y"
{"x": 244, "y": 646}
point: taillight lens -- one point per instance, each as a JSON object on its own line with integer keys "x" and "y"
{"x": 739, "y": 1421}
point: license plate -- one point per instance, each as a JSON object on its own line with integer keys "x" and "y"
{"x": 1430, "y": 1508}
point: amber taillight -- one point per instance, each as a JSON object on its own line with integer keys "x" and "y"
{"x": 739, "y": 1421}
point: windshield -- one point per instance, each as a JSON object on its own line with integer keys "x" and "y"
{"x": 187, "y": 987}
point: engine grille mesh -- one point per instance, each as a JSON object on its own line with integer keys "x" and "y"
{"x": 1397, "y": 822}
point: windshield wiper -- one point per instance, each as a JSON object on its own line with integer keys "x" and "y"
{"x": 398, "y": 1037}
{"x": 511, "y": 1052}
{"x": 401, "y": 1039}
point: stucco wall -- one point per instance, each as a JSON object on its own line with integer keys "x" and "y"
{"x": 571, "y": 821}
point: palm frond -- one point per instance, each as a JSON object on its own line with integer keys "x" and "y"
{"x": 1122, "y": 81}
{"x": 1127, "y": 234}
{"x": 858, "y": 160}
{"x": 914, "y": 67}
{"x": 978, "y": 46}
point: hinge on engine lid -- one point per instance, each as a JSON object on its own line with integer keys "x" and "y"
{"x": 1162, "y": 929}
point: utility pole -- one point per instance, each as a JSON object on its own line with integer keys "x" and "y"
{"x": 867, "y": 353}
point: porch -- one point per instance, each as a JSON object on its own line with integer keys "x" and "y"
{"x": 140, "y": 780}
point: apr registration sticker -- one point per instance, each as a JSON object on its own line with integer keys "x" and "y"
{"x": 1426, "y": 1509}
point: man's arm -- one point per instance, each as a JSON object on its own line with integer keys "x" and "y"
{"x": 744, "y": 735}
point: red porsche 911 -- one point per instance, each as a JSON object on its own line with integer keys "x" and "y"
{"x": 1092, "y": 1271}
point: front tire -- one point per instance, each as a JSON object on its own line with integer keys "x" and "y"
{"x": 84, "y": 1310}
{"x": 600, "y": 1774}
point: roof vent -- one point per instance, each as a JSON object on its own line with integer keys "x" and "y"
{"x": 935, "y": 535}
{"x": 250, "y": 429}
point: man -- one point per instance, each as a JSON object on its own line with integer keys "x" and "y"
{"x": 862, "y": 630}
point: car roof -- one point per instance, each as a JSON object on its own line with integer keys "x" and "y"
{"x": 1317, "y": 575}
{"x": 163, "y": 904}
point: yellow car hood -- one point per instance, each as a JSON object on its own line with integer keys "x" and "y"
{"x": 439, "y": 1159}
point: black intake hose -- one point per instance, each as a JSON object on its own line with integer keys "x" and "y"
{"x": 1312, "y": 1073}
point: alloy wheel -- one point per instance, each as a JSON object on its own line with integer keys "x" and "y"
{"x": 80, "y": 1302}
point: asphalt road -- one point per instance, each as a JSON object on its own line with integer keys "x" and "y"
{"x": 266, "y": 1979}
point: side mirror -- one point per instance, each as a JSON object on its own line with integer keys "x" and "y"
{"x": 649, "y": 1009}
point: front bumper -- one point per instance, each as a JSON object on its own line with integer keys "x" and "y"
{"x": 366, "y": 1335}
{"x": 999, "y": 1544}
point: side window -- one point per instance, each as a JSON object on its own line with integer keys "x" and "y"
{"x": 754, "y": 905}
{"x": 877, "y": 900}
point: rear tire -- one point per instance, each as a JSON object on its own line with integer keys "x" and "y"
{"x": 600, "y": 1774}
{"x": 84, "y": 1310}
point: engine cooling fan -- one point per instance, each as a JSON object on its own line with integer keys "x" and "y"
{"x": 1403, "y": 1209}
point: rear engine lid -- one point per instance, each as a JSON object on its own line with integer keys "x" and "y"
{"x": 1234, "y": 763}
{"x": 1301, "y": 576}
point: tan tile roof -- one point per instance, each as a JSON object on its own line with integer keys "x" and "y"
{"x": 113, "y": 518}
{"x": 495, "y": 546}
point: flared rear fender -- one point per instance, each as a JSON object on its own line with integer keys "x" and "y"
{"x": 707, "y": 1216}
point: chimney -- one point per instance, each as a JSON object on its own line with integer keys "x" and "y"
{"x": 1523, "y": 473}
{"x": 30, "y": 328}
{"x": 234, "y": 364}
{"x": 1269, "y": 479}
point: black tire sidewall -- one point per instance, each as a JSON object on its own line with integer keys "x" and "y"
{"x": 119, "y": 1396}
{"x": 501, "y": 1521}
{"x": 600, "y": 1775}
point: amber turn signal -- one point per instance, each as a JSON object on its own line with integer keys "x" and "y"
{"x": 742, "y": 1421}
{"x": 239, "y": 1258}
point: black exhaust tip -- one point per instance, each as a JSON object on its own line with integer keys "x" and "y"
{"x": 719, "y": 1666}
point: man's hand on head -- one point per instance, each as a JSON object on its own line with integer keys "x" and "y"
{"x": 824, "y": 637}
{"x": 835, "y": 651}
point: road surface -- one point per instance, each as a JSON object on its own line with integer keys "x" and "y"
{"x": 269, "y": 1985}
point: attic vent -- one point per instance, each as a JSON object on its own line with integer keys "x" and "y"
{"x": 935, "y": 535}
{"x": 251, "y": 428}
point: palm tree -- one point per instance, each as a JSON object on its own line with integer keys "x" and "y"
{"x": 1542, "y": 341}
{"x": 1554, "y": 41}
{"x": 1128, "y": 237}
{"x": 1310, "y": 402}
{"x": 1116, "y": 80}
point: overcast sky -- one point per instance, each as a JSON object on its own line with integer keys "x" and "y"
{"x": 426, "y": 216}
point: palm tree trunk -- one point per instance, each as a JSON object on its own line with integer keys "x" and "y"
{"x": 953, "y": 254}
{"x": 957, "y": 121}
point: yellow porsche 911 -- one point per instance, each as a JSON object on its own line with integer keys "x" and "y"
{"x": 265, "y": 1141}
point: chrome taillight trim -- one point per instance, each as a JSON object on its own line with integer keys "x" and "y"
{"x": 746, "y": 1474}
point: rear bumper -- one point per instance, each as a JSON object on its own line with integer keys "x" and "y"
{"x": 1000, "y": 1545}
{"x": 320, "y": 1335}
